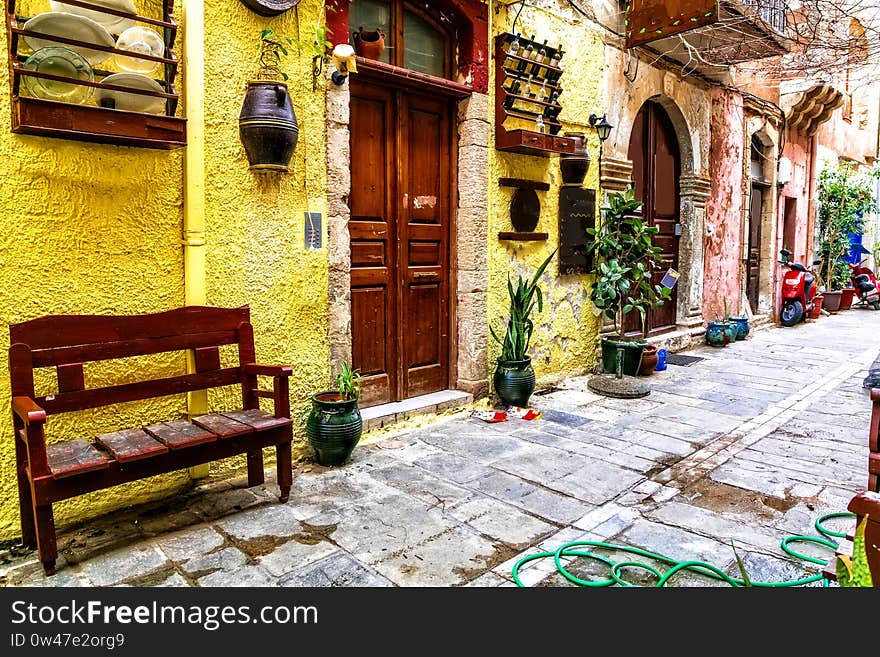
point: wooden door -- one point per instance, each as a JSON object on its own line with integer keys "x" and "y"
{"x": 753, "y": 264}
{"x": 401, "y": 146}
{"x": 653, "y": 149}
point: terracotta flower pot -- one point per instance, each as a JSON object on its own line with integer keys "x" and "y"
{"x": 847, "y": 298}
{"x": 574, "y": 166}
{"x": 816, "y": 312}
{"x": 649, "y": 360}
{"x": 369, "y": 43}
{"x": 831, "y": 301}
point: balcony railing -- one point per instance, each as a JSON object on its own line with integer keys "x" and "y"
{"x": 771, "y": 12}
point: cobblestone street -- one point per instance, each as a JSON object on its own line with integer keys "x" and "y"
{"x": 749, "y": 444}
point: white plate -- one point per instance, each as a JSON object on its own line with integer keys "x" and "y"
{"x": 114, "y": 24}
{"x": 141, "y": 40}
{"x": 132, "y": 102}
{"x": 70, "y": 26}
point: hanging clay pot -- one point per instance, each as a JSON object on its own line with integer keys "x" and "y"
{"x": 369, "y": 43}
{"x": 574, "y": 166}
{"x": 267, "y": 126}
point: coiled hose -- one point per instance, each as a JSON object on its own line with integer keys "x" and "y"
{"x": 574, "y": 549}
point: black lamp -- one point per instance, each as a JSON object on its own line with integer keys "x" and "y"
{"x": 603, "y": 131}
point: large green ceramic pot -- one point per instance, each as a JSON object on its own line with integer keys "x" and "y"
{"x": 632, "y": 355}
{"x": 333, "y": 427}
{"x": 514, "y": 381}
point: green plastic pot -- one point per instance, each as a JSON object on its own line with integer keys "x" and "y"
{"x": 632, "y": 355}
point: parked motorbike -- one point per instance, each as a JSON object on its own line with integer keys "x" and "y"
{"x": 865, "y": 283}
{"x": 798, "y": 290}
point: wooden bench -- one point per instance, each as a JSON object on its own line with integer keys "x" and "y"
{"x": 48, "y": 473}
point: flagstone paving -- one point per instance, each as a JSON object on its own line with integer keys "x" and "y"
{"x": 748, "y": 445}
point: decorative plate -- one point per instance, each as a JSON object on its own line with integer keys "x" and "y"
{"x": 270, "y": 7}
{"x": 132, "y": 102}
{"x": 58, "y": 61}
{"x": 140, "y": 40}
{"x": 114, "y": 24}
{"x": 70, "y": 26}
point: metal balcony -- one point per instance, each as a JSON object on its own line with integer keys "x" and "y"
{"x": 707, "y": 36}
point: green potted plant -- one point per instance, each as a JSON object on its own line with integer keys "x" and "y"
{"x": 514, "y": 378}
{"x": 334, "y": 423}
{"x": 626, "y": 260}
{"x": 844, "y": 199}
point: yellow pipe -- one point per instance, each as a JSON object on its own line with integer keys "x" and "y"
{"x": 194, "y": 185}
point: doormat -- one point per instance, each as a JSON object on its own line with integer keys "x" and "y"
{"x": 683, "y": 361}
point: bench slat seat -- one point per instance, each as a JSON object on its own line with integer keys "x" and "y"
{"x": 131, "y": 445}
{"x": 74, "y": 457}
{"x": 257, "y": 419}
{"x": 180, "y": 434}
{"x": 224, "y": 427}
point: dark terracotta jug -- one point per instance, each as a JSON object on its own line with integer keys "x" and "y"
{"x": 369, "y": 43}
{"x": 575, "y": 165}
{"x": 267, "y": 126}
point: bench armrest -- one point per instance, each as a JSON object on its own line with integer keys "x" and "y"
{"x": 875, "y": 394}
{"x": 27, "y": 409}
{"x": 268, "y": 370}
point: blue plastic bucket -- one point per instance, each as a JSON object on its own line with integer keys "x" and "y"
{"x": 661, "y": 360}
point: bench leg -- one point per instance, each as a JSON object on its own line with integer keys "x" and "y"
{"x": 46, "y": 546}
{"x": 256, "y": 476}
{"x": 25, "y": 499}
{"x": 284, "y": 460}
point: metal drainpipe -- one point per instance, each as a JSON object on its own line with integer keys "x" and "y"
{"x": 193, "y": 239}
{"x": 811, "y": 202}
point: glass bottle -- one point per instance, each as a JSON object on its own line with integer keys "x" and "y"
{"x": 543, "y": 92}
{"x": 514, "y": 45}
{"x": 539, "y": 124}
{"x": 514, "y": 89}
{"x": 554, "y": 60}
{"x": 526, "y": 55}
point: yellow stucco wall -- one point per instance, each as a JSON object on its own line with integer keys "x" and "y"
{"x": 566, "y": 332}
{"x": 91, "y": 228}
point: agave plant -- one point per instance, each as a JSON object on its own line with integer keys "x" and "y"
{"x": 524, "y": 298}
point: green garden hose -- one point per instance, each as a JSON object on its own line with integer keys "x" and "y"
{"x": 571, "y": 549}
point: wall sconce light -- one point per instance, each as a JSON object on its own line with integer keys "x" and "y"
{"x": 344, "y": 62}
{"x": 603, "y": 131}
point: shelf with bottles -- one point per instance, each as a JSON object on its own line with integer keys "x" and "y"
{"x": 64, "y": 83}
{"x": 527, "y": 75}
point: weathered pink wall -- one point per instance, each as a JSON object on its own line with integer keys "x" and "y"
{"x": 724, "y": 210}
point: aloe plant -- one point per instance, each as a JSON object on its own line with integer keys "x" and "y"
{"x": 524, "y": 298}
{"x": 349, "y": 382}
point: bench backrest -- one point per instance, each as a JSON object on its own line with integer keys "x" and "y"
{"x": 65, "y": 342}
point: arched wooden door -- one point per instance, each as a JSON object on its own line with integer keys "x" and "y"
{"x": 653, "y": 149}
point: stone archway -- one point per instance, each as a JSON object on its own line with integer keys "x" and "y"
{"x": 469, "y": 261}
{"x": 694, "y": 190}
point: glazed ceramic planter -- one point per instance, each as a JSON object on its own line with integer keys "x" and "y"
{"x": 267, "y": 126}
{"x": 334, "y": 427}
{"x": 369, "y": 43}
{"x": 514, "y": 381}
{"x": 574, "y": 166}
{"x": 632, "y": 355}
{"x": 716, "y": 334}
{"x": 742, "y": 327}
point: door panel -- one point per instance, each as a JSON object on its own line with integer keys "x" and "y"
{"x": 372, "y": 229}
{"x": 653, "y": 149}
{"x": 401, "y": 181}
{"x": 424, "y": 236}
{"x": 753, "y": 265}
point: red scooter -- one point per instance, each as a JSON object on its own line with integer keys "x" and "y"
{"x": 865, "y": 283}
{"x": 798, "y": 290}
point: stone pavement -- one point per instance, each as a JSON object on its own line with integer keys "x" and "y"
{"x": 748, "y": 445}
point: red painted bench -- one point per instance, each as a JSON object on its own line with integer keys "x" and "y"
{"x": 48, "y": 473}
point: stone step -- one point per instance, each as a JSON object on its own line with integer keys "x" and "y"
{"x": 376, "y": 417}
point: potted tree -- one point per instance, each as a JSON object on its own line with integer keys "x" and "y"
{"x": 844, "y": 199}
{"x": 626, "y": 259}
{"x": 514, "y": 378}
{"x": 334, "y": 423}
